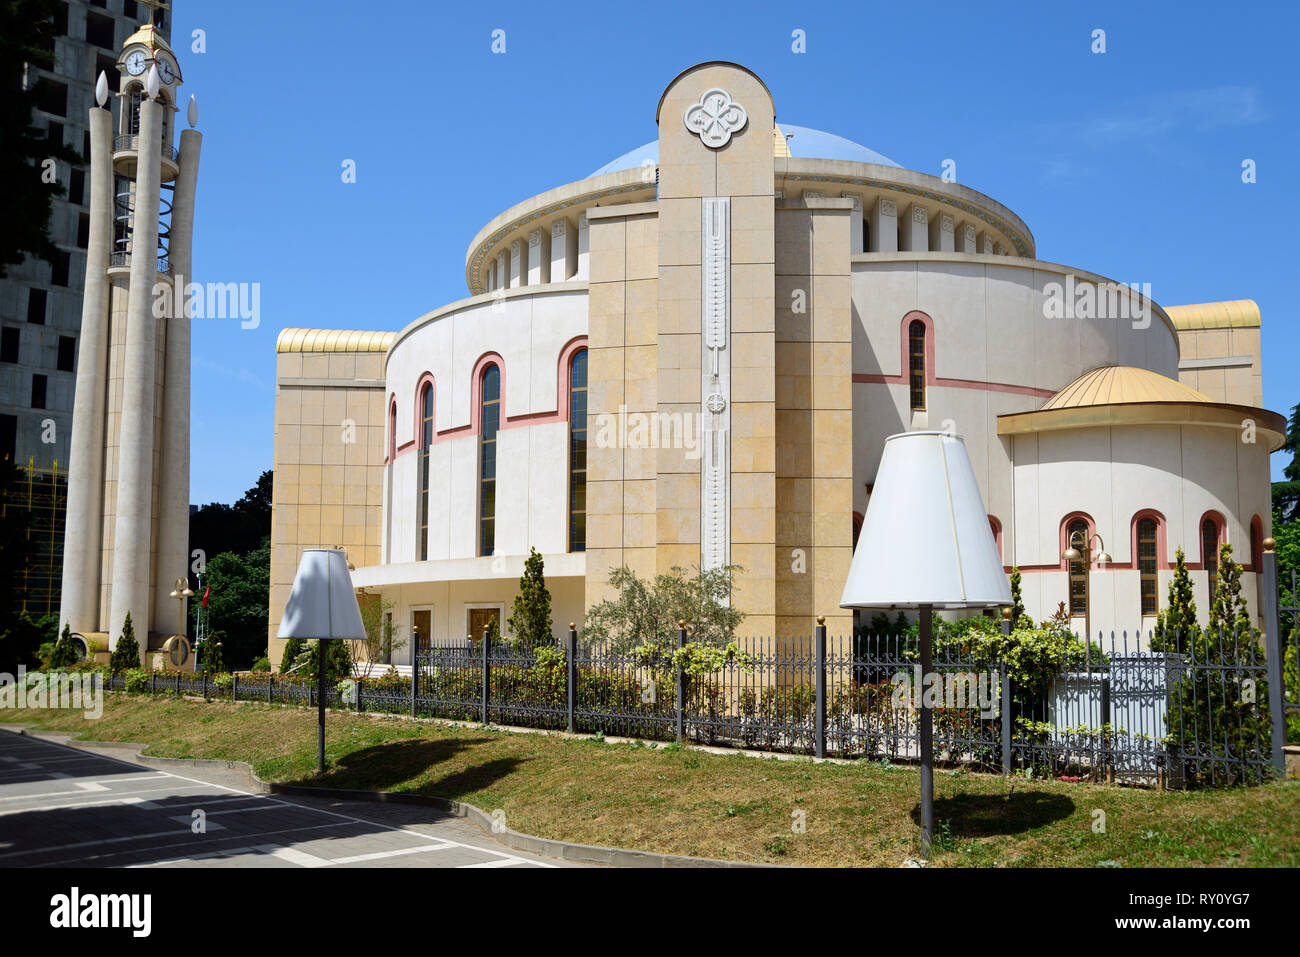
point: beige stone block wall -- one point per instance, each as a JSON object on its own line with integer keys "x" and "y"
{"x": 329, "y": 466}
{"x": 623, "y": 385}
{"x": 814, "y": 419}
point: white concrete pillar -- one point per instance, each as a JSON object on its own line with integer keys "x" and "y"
{"x": 584, "y": 248}
{"x": 985, "y": 243}
{"x": 503, "y": 269}
{"x": 174, "y": 463}
{"x": 884, "y": 226}
{"x": 564, "y": 251}
{"x": 83, "y": 534}
{"x": 518, "y": 265}
{"x": 539, "y": 257}
{"x": 942, "y": 234}
{"x": 133, "y": 523}
{"x": 915, "y": 234}
{"x": 492, "y": 275}
{"x": 855, "y": 223}
{"x": 965, "y": 238}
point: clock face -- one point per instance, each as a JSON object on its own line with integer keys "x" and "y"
{"x": 135, "y": 63}
{"x": 165, "y": 72}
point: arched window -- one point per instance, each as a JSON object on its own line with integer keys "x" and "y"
{"x": 1256, "y": 545}
{"x": 578, "y": 452}
{"x": 1078, "y": 569}
{"x": 426, "y": 441}
{"x": 996, "y": 528}
{"x": 1210, "y": 554}
{"x": 490, "y": 418}
{"x": 1146, "y": 562}
{"x": 392, "y": 430}
{"x": 916, "y": 363}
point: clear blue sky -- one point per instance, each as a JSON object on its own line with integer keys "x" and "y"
{"x": 1126, "y": 163}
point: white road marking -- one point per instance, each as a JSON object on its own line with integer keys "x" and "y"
{"x": 506, "y": 863}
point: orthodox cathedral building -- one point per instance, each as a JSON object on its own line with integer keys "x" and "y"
{"x": 693, "y": 356}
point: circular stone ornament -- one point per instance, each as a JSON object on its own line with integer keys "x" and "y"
{"x": 715, "y": 118}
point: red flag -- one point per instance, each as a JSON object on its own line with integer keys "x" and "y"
{"x": 206, "y": 591}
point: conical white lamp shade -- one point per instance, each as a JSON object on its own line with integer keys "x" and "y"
{"x": 322, "y": 602}
{"x": 925, "y": 539}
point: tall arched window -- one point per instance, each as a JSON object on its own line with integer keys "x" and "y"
{"x": 426, "y": 442}
{"x": 490, "y": 417}
{"x": 578, "y": 452}
{"x": 1210, "y": 554}
{"x": 392, "y": 430}
{"x": 1146, "y": 560}
{"x": 1079, "y": 569}
{"x": 916, "y": 363}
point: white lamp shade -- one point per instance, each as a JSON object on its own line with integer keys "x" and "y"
{"x": 322, "y": 602}
{"x": 925, "y": 539}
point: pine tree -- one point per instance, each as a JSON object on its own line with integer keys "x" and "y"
{"x": 212, "y": 662}
{"x": 1176, "y": 624}
{"x": 1220, "y": 717}
{"x": 65, "y": 652}
{"x": 127, "y": 653}
{"x": 530, "y": 622}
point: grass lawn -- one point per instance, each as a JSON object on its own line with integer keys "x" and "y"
{"x": 686, "y": 802}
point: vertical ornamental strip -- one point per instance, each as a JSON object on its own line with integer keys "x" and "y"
{"x": 681, "y": 684}
{"x": 571, "y": 677}
{"x": 487, "y": 674}
{"x": 1273, "y": 652}
{"x": 821, "y": 686}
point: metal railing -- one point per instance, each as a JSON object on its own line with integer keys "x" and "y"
{"x": 131, "y": 141}
{"x": 1174, "y": 712}
{"x": 119, "y": 258}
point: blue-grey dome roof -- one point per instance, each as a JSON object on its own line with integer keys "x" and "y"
{"x": 803, "y": 142}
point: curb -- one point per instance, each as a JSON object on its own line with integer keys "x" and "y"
{"x": 515, "y": 840}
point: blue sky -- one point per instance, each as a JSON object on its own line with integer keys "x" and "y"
{"x": 1126, "y": 163}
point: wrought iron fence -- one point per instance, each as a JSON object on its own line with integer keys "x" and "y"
{"x": 1122, "y": 709}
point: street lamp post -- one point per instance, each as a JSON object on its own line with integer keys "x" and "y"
{"x": 180, "y": 591}
{"x": 322, "y": 605}
{"x": 1073, "y": 553}
{"x": 926, "y": 543}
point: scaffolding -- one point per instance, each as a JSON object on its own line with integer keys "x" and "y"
{"x": 43, "y": 493}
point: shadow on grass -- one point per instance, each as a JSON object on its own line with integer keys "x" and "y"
{"x": 398, "y": 765}
{"x": 989, "y": 815}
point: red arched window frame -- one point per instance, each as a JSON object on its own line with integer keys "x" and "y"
{"x": 996, "y": 527}
{"x": 1256, "y": 544}
{"x": 392, "y": 427}
{"x": 1148, "y": 554}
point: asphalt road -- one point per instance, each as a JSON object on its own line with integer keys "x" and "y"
{"x": 66, "y": 807}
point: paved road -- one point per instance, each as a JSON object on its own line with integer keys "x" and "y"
{"x": 64, "y": 806}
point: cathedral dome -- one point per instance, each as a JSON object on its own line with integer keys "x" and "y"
{"x": 1112, "y": 385}
{"x": 799, "y": 142}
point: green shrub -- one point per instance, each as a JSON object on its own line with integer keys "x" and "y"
{"x": 292, "y": 649}
{"x": 65, "y": 652}
{"x": 261, "y": 664}
{"x": 126, "y": 656}
{"x": 136, "y": 680}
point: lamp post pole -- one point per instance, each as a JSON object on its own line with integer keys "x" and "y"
{"x": 320, "y": 706}
{"x": 927, "y": 738}
{"x": 1087, "y": 555}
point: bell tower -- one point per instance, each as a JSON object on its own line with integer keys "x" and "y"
{"x": 127, "y": 535}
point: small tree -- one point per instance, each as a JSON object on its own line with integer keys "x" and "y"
{"x": 1017, "y": 601}
{"x": 65, "y": 652}
{"x": 530, "y": 621}
{"x": 338, "y": 662}
{"x": 127, "y": 653}
{"x": 292, "y": 649}
{"x": 381, "y": 634}
{"x": 1223, "y": 719}
{"x": 213, "y": 662}
{"x": 1177, "y": 620}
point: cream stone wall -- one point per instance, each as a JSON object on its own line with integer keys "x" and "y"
{"x": 994, "y": 353}
{"x": 1111, "y": 474}
{"x": 814, "y": 413}
{"x": 1225, "y": 364}
{"x": 327, "y": 491}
